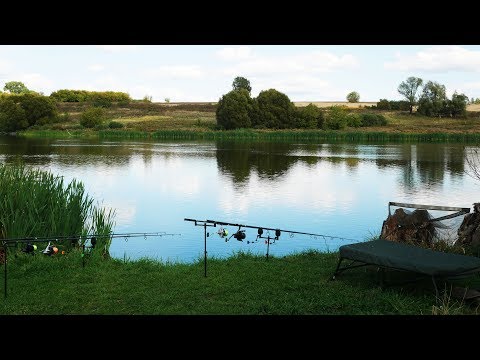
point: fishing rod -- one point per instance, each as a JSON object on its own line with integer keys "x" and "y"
{"x": 51, "y": 249}
{"x": 77, "y": 237}
{"x": 240, "y": 234}
{"x": 276, "y": 230}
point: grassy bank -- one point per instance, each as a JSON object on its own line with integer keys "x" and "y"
{"x": 197, "y": 121}
{"x": 242, "y": 284}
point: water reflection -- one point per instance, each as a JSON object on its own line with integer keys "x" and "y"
{"x": 419, "y": 163}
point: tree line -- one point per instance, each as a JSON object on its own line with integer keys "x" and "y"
{"x": 272, "y": 109}
{"x": 432, "y": 101}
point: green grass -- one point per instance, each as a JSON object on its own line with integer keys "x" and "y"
{"x": 196, "y": 122}
{"x": 240, "y": 134}
{"x": 241, "y": 284}
{"x": 36, "y": 203}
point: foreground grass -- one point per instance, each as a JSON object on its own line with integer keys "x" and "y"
{"x": 242, "y": 284}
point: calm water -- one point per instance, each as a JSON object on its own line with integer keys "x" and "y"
{"x": 330, "y": 189}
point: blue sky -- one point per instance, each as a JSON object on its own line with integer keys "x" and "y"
{"x": 205, "y": 72}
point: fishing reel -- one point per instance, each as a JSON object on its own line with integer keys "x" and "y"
{"x": 239, "y": 235}
{"x": 50, "y": 249}
{"x": 223, "y": 233}
{"x": 30, "y": 249}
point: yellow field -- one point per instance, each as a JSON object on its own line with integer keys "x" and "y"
{"x": 333, "y": 103}
{"x": 322, "y": 104}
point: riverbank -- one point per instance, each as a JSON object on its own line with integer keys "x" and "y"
{"x": 197, "y": 121}
{"x": 242, "y": 284}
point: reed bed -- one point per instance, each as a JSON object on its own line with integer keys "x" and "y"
{"x": 36, "y": 203}
{"x": 294, "y": 135}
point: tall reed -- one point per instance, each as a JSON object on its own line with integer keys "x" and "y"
{"x": 36, "y": 203}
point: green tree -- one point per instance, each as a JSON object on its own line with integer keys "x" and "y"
{"x": 433, "y": 99}
{"x": 12, "y": 116}
{"x": 336, "y": 118}
{"x": 309, "y": 117}
{"x": 92, "y": 117}
{"x": 353, "y": 97}
{"x": 409, "y": 90}
{"x": 458, "y": 105}
{"x": 241, "y": 83}
{"x": 16, "y": 87}
{"x": 37, "y": 107}
{"x": 234, "y": 109}
{"x": 276, "y": 111}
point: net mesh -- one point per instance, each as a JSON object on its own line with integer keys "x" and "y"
{"x": 421, "y": 224}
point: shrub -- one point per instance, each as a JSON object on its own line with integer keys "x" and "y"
{"x": 92, "y": 117}
{"x": 383, "y": 104}
{"x": 354, "y": 120}
{"x": 100, "y": 97}
{"x": 276, "y": 111}
{"x": 373, "y": 120}
{"x": 399, "y": 105}
{"x": 309, "y": 117}
{"x": 115, "y": 125}
{"x": 12, "y": 116}
{"x": 336, "y": 118}
{"x": 233, "y": 110}
{"x": 37, "y": 107}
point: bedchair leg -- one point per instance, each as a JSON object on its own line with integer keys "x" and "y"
{"x": 381, "y": 270}
{"x": 436, "y": 288}
{"x": 336, "y": 270}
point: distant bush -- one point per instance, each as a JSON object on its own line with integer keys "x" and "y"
{"x": 37, "y": 107}
{"x": 115, "y": 125}
{"x": 92, "y": 117}
{"x": 373, "y": 120}
{"x": 353, "y": 97}
{"x": 309, "y": 117}
{"x": 275, "y": 110}
{"x": 398, "y": 105}
{"x": 233, "y": 110}
{"x": 383, "y": 104}
{"x": 12, "y": 116}
{"x": 100, "y": 97}
{"x": 354, "y": 120}
{"x": 336, "y": 118}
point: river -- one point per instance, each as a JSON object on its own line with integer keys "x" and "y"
{"x": 335, "y": 189}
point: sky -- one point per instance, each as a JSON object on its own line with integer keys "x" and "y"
{"x": 206, "y": 72}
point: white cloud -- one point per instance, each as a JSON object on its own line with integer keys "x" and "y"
{"x": 298, "y": 88}
{"x": 117, "y": 48}
{"x": 96, "y": 67}
{"x": 235, "y": 53}
{"x": 475, "y": 85}
{"x": 438, "y": 59}
{"x": 177, "y": 71}
{"x": 37, "y": 82}
{"x": 5, "y": 66}
{"x": 298, "y": 75}
{"x": 304, "y": 63}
